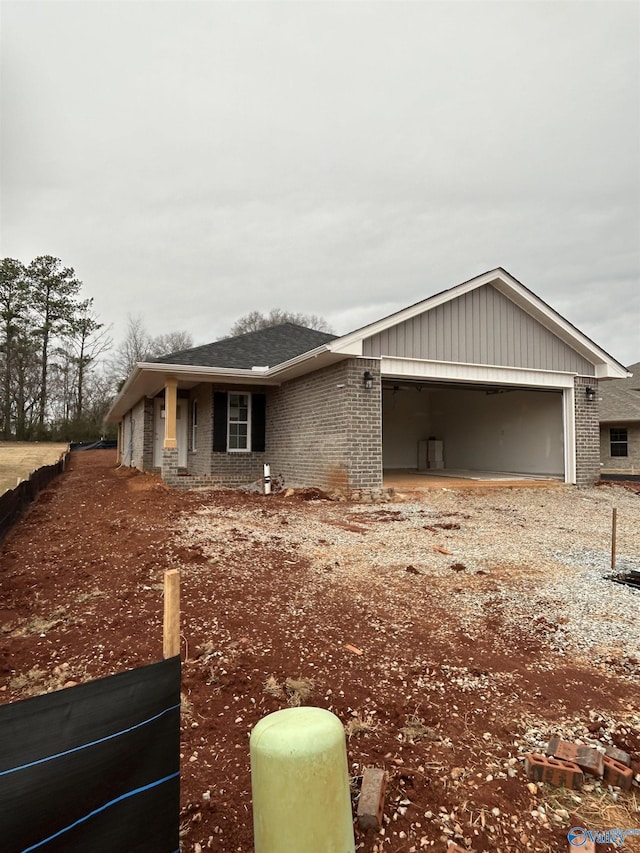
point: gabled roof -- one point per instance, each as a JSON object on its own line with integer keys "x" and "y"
{"x": 280, "y": 353}
{"x": 263, "y": 348}
{"x": 620, "y": 398}
{"x": 606, "y": 366}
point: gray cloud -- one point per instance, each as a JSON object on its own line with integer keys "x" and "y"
{"x": 197, "y": 160}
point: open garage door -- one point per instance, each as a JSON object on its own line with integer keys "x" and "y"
{"x": 481, "y": 428}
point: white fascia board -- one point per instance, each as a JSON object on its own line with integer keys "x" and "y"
{"x": 604, "y": 372}
{"x": 481, "y": 373}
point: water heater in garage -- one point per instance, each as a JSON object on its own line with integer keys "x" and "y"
{"x": 430, "y": 454}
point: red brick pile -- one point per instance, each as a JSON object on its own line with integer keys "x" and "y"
{"x": 564, "y": 764}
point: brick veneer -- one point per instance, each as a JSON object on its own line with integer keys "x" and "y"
{"x": 587, "y": 432}
{"x": 325, "y": 429}
{"x": 148, "y": 436}
{"x": 169, "y": 467}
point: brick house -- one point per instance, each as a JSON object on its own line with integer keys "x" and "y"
{"x": 620, "y": 424}
{"x": 484, "y": 376}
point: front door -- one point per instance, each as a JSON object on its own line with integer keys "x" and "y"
{"x": 182, "y": 431}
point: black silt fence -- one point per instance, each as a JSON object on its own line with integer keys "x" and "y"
{"x": 14, "y": 502}
{"x": 94, "y": 768}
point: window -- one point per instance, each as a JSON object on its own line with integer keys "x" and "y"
{"x": 239, "y": 419}
{"x": 194, "y": 425}
{"x": 618, "y": 440}
{"x": 239, "y": 422}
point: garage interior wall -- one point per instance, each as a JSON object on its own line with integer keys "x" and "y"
{"x": 519, "y": 431}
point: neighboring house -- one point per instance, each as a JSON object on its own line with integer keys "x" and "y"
{"x": 620, "y": 424}
{"x": 483, "y": 376}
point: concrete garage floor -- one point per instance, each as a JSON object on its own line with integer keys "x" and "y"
{"x": 459, "y": 478}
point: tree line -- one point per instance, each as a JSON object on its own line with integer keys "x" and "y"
{"x": 59, "y": 373}
{"x": 59, "y": 369}
{"x": 50, "y": 339}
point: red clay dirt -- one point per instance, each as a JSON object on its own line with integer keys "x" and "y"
{"x": 81, "y": 597}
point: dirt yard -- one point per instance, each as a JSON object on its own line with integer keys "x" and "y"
{"x": 20, "y": 458}
{"x": 450, "y": 631}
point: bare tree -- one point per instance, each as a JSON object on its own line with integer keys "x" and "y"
{"x": 139, "y": 345}
{"x": 135, "y": 347}
{"x": 170, "y": 342}
{"x": 88, "y": 340}
{"x": 256, "y": 320}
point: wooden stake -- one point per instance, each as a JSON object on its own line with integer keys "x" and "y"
{"x": 171, "y": 636}
{"x": 614, "y": 524}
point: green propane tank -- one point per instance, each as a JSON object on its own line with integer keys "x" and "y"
{"x": 300, "y": 783}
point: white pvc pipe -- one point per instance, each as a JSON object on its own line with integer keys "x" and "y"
{"x": 267, "y": 478}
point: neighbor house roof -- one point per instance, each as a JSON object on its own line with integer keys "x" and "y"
{"x": 262, "y": 348}
{"x": 620, "y": 398}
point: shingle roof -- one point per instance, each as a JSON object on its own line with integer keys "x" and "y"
{"x": 620, "y": 398}
{"x": 264, "y": 348}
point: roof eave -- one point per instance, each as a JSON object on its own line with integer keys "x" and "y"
{"x": 148, "y": 378}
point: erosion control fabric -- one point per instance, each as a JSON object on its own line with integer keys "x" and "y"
{"x": 94, "y": 767}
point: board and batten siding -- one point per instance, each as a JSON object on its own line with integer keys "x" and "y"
{"x": 479, "y": 327}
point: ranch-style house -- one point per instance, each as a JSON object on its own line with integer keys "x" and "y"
{"x": 483, "y": 377}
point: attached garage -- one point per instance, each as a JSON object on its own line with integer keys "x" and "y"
{"x": 432, "y": 427}
{"x": 482, "y": 377}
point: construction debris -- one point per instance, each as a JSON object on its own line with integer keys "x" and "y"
{"x": 371, "y": 802}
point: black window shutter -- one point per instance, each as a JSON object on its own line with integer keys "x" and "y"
{"x": 219, "y": 421}
{"x": 258, "y": 420}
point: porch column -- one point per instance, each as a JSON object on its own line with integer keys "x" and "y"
{"x": 170, "y": 408}
{"x": 119, "y": 450}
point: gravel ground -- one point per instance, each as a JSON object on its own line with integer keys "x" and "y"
{"x": 522, "y": 553}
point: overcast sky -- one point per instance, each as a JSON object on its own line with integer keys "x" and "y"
{"x": 194, "y": 161}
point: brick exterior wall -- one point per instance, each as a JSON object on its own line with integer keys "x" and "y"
{"x": 169, "y": 467}
{"x": 629, "y": 464}
{"x": 325, "y": 429}
{"x": 148, "y": 436}
{"x": 587, "y": 432}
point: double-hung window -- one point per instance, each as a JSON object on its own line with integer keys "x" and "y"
{"x": 619, "y": 441}
{"x": 239, "y": 420}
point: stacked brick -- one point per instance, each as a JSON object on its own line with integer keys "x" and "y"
{"x": 565, "y": 764}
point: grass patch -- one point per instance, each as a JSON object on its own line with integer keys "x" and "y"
{"x": 19, "y": 458}
{"x": 360, "y": 724}
{"x": 298, "y": 690}
{"x": 597, "y": 810}
{"x": 272, "y": 687}
{"x": 415, "y": 730}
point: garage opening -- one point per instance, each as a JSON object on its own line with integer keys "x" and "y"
{"x": 460, "y": 430}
